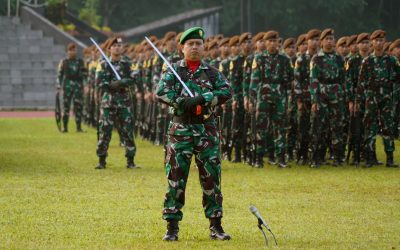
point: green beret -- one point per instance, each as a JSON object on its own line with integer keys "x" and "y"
{"x": 192, "y": 33}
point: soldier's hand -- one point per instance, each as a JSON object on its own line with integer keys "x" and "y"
{"x": 114, "y": 84}
{"x": 250, "y": 107}
{"x": 351, "y": 107}
{"x": 234, "y": 105}
{"x": 300, "y": 105}
{"x": 189, "y": 104}
{"x": 246, "y": 103}
{"x": 314, "y": 108}
{"x": 139, "y": 96}
{"x": 223, "y": 106}
{"x": 356, "y": 107}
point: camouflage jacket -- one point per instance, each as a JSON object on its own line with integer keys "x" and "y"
{"x": 378, "y": 77}
{"x": 302, "y": 77}
{"x": 326, "y": 68}
{"x": 215, "y": 91}
{"x": 236, "y": 76}
{"x": 247, "y": 74}
{"x": 271, "y": 74}
{"x": 352, "y": 67}
{"x": 105, "y": 75}
{"x": 71, "y": 69}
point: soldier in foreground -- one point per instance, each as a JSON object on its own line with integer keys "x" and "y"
{"x": 193, "y": 131}
{"x": 115, "y": 104}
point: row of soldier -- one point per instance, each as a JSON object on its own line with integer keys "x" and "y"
{"x": 297, "y": 99}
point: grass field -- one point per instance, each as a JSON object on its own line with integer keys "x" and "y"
{"x": 52, "y": 198}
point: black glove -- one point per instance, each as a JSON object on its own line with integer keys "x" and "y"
{"x": 114, "y": 85}
{"x": 189, "y": 103}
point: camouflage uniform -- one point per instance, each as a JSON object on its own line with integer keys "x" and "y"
{"x": 226, "y": 117}
{"x": 327, "y": 78}
{"x": 271, "y": 79}
{"x": 236, "y": 79}
{"x": 71, "y": 74}
{"x": 302, "y": 93}
{"x": 186, "y": 138}
{"x": 376, "y": 85}
{"x": 115, "y": 105}
{"x": 249, "y": 141}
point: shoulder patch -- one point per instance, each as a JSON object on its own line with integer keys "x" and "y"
{"x": 164, "y": 67}
{"x": 221, "y": 68}
{"x": 231, "y": 65}
{"x": 245, "y": 64}
{"x": 254, "y": 65}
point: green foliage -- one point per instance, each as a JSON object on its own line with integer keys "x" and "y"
{"x": 51, "y": 197}
{"x": 89, "y": 13}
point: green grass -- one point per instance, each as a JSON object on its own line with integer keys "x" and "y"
{"x": 51, "y": 197}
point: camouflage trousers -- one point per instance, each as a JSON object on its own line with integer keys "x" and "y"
{"x": 184, "y": 141}
{"x": 330, "y": 116}
{"x": 303, "y": 129}
{"x": 161, "y": 123}
{"x": 108, "y": 117}
{"x": 378, "y": 113}
{"x": 238, "y": 127}
{"x": 292, "y": 126}
{"x": 271, "y": 122}
{"x": 73, "y": 92}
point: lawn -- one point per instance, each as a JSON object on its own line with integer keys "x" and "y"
{"x": 51, "y": 197}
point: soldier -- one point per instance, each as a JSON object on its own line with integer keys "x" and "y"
{"x": 271, "y": 79}
{"x": 116, "y": 104}
{"x": 352, "y": 45}
{"x": 341, "y": 46}
{"x": 235, "y": 78}
{"x": 71, "y": 74}
{"x": 226, "y": 107}
{"x": 326, "y": 87}
{"x": 301, "y": 45}
{"x": 302, "y": 94}
{"x": 213, "y": 53}
{"x": 193, "y": 130}
{"x": 353, "y": 66}
{"x": 376, "y": 84}
{"x": 245, "y": 42}
{"x": 395, "y": 51}
{"x": 289, "y": 47}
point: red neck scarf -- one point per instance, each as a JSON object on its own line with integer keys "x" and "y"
{"x": 193, "y": 65}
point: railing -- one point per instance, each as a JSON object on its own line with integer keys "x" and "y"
{"x": 30, "y": 3}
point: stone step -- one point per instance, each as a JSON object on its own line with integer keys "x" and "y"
{"x": 16, "y": 41}
{"x": 17, "y": 72}
{"x": 29, "y": 79}
{"x": 26, "y": 64}
{"x": 9, "y": 20}
{"x": 23, "y": 35}
{"x": 30, "y": 49}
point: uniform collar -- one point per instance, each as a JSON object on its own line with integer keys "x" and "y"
{"x": 183, "y": 64}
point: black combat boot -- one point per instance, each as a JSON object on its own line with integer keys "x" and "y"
{"x": 237, "y": 156}
{"x": 65, "y": 127}
{"x": 389, "y": 160}
{"x": 375, "y": 160}
{"x": 290, "y": 154}
{"x": 282, "y": 162}
{"x": 337, "y": 159}
{"x": 216, "y": 230}
{"x": 271, "y": 158}
{"x": 172, "y": 231}
{"x": 259, "y": 161}
{"x": 79, "y": 128}
{"x": 315, "y": 161}
{"x": 130, "y": 163}
{"x": 368, "y": 159}
{"x": 102, "y": 163}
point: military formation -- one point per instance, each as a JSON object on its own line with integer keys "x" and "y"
{"x": 314, "y": 100}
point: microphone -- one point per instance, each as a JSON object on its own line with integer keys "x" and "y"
{"x": 254, "y": 211}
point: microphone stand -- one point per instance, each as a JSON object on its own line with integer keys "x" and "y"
{"x": 260, "y": 224}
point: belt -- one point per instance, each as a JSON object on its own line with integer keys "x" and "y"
{"x": 190, "y": 119}
{"x": 119, "y": 90}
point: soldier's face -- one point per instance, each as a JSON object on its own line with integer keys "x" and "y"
{"x": 214, "y": 52}
{"x": 290, "y": 51}
{"x": 343, "y": 50}
{"x": 364, "y": 46}
{"x": 246, "y": 46}
{"x": 116, "y": 49}
{"x": 235, "y": 50}
{"x": 378, "y": 44}
{"x": 72, "y": 53}
{"x": 225, "y": 50}
{"x": 328, "y": 43}
{"x": 260, "y": 45}
{"x": 303, "y": 48}
{"x": 193, "y": 49}
{"x": 313, "y": 43}
{"x": 272, "y": 45}
{"x": 353, "y": 48}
